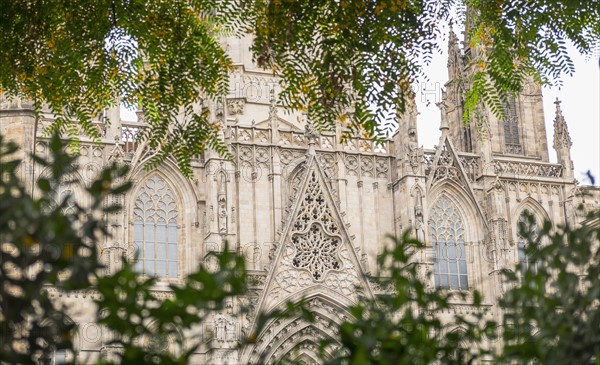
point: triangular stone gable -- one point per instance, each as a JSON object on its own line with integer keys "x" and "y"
{"x": 315, "y": 252}
{"x": 446, "y": 165}
{"x": 116, "y": 154}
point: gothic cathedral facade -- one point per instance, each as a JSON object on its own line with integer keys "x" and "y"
{"x": 311, "y": 215}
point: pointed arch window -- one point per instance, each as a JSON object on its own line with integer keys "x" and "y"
{"x": 155, "y": 229}
{"x": 468, "y": 141}
{"x": 512, "y": 139}
{"x": 529, "y": 236}
{"x": 64, "y": 194}
{"x": 447, "y": 233}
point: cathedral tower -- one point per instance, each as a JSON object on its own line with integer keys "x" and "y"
{"x": 520, "y": 132}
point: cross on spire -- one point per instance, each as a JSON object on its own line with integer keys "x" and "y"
{"x": 557, "y": 102}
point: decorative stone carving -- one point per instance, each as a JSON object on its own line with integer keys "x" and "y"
{"x": 531, "y": 87}
{"x": 419, "y": 222}
{"x": 262, "y": 155}
{"x": 428, "y": 161}
{"x": 445, "y": 168}
{"x": 243, "y": 136}
{"x": 314, "y": 251}
{"x": 527, "y": 169}
{"x": 235, "y": 106}
{"x": 413, "y": 153}
{"x": 366, "y": 166}
{"x": 382, "y": 167}
{"x": 225, "y": 329}
{"x": 246, "y": 154}
{"x": 329, "y": 163}
{"x": 222, "y": 201}
{"x": 351, "y": 163}
{"x": 255, "y": 280}
{"x": 471, "y": 166}
{"x": 562, "y": 139}
{"x": 286, "y": 156}
{"x": 91, "y": 171}
{"x": 225, "y": 356}
{"x": 365, "y": 145}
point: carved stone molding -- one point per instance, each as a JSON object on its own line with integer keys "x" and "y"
{"x": 527, "y": 169}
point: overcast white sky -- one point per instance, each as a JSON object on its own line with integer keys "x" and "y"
{"x": 580, "y": 97}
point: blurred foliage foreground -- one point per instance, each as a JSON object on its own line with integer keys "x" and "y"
{"x": 550, "y": 310}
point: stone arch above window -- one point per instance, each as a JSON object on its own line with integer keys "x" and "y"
{"x": 64, "y": 192}
{"x": 447, "y": 234}
{"x": 155, "y": 229}
{"x": 68, "y": 192}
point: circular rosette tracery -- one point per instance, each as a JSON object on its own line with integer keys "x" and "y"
{"x": 316, "y": 251}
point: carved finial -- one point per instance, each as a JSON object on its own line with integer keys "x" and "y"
{"x": 557, "y": 103}
{"x": 451, "y": 35}
{"x": 561, "y": 132}
{"x": 311, "y": 134}
{"x": 273, "y": 106}
{"x": 455, "y": 63}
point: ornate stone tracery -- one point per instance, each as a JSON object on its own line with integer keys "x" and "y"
{"x": 316, "y": 251}
{"x": 314, "y": 209}
{"x": 155, "y": 229}
{"x": 64, "y": 192}
{"x": 445, "y": 168}
{"x": 315, "y": 235}
{"x": 315, "y": 247}
{"x": 447, "y": 232}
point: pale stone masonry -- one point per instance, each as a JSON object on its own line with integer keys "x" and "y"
{"x": 311, "y": 215}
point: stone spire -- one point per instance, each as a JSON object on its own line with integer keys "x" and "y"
{"x": 562, "y": 141}
{"x": 455, "y": 60}
{"x": 406, "y": 138}
{"x": 408, "y": 119}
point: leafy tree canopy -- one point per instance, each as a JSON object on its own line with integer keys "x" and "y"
{"x": 50, "y": 242}
{"x": 550, "y": 310}
{"x": 345, "y": 62}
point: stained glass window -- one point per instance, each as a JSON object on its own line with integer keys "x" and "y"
{"x": 447, "y": 233}
{"x": 512, "y": 140}
{"x": 155, "y": 229}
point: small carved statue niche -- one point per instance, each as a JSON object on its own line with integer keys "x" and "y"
{"x": 419, "y": 220}
{"x": 413, "y": 152}
{"x": 222, "y": 204}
